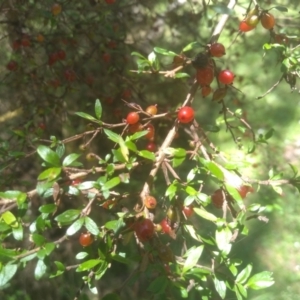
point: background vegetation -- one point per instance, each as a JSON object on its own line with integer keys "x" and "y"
{"x": 39, "y": 99}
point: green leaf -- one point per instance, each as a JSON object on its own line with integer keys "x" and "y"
{"x": 89, "y": 264}
{"x": 244, "y": 274}
{"x": 124, "y": 149}
{"x": 14, "y": 195}
{"x": 48, "y": 155}
{"x": 235, "y": 195}
{"x": 215, "y": 170}
{"x": 98, "y": 109}
{"x": 182, "y": 75}
{"x": 269, "y": 134}
{"x": 158, "y": 285}
{"x": 204, "y": 214}
{"x": 81, "y": 255}
{"x": 223, "y": 237}
{"x": 68, "y": 216}
{"x": 50, "y": 174}
{"x": 114, "y": 225}
{"x": 281, "y": 8}
{"x": 18, "y": 232}
{"x": 121, "y": 258}
{"x": 220, "y": 287}
{"x": 49, "y": 247}
{"x": 172, "y": 190}
{"x": 38, "y": 239}
{"x": 6, "y": 273}
{"x": 68, "y": 161}
{"x": 47, "y": 208}
{"x": 242, "y": 290}
{"x": 237, "y": 292}
{"x": 147, "y": 154}
{"x": 9, "y": 218}
{"x": 60, "y": 269}
{"x": 138, "y": 135}
{"x": 75, "y": 226}
{"x": 164, "y": 51}
{"x": 191, "y": 46}
{"x": 192, "y": 259}
{"x": 261, "y": 280}
{"x": 91, "y": 226}
{"x": 113, "y": 136}
{"x": 139, "y": 55}
{"x": 86, "y": 116}
{"x": 40, "y": 269}
{"x": 111, "y": 183}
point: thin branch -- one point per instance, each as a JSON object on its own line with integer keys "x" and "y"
{"x": 271, "y": 88}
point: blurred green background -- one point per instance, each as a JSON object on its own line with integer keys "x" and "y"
{"x": 142, "y": 25}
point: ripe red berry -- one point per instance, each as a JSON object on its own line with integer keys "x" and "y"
{"x": 185, "y": 114}
{"x": 126, "y": 94}
{"x": 267, "y": 20}
{"x": 205, "y": 76}
{"x": 226, "y": 77}
{"x": 110, "y": 1}
{"x": 217, "y": 50}
{"x": 151, "y": 147}
{"x": 135, "y": 127}
{"x": 86, "y": 239}
{"x": 132, "y": 118}
{"x": 106, "y": 57}
{"x": 217, "y": 198}
{"x": 12, "y": 66}
{"x": 206, "y": 90}
{"x": 16, "y": 45}
{"x": 25, "y": 42}
{"x": 144, "y": 230}
{"x": 42, "y": 126}
{"x": 244, "y": 190}
{"x": 151, "y": 132}
{"x": 76, "y": 181}
{"x": 70, "y": 75}
{"x": 53, "y": 58}
{"x": 244, "y": 27}
{"x": 150, "y": 202}
{"x": 188, "y": 210}
{"x": 61, "y": 54}
{"x": 165, "y": 226}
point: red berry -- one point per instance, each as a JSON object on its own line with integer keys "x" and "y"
{"x": 150, "y": 202}
{"x": 110, "y": 1}
{"x": 188, "y": 211}
{"x": 126, "y": 94}
{"x": 70, "y": 75}
{"x": 144, "y": 230}
{"x": 16, "y": 45}
{"x": 106, "y": 57}
{"x": 151, "y": 132}
{"x": 42, "y": 126}
{"x": 206, "y": 90}
{"x": 76, "y": 181}
{"x": 135, "y": 127}
{"x": 244, "y": 190}
{"x": 55, "y": 83}
{"x": 166, "y": 228}
{"x": 244, "y": 27}
{"x": 205, "y": 76}
{"x": 12, "y": 66}
{"x": 53, "y": 58}
{"x": 86, "y": 239}
{"x": 226, "y": 77}
{"x": 112, "y": 44}
{"x": 132, "y": 118}
{"x": 25, "y": 42}
{"x": 151, "y": 110}
{"x": 217, "y": 50}
{"x": 267, "y": 20}
{"x": 56, "y": 9}
{"x": 151, "y": 147}
{"x": 217, "y": 198}
{"x": 61, "y": 54}
{"x": 185, "y": 114}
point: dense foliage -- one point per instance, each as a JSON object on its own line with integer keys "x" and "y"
{"x": 141, "y": 148}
